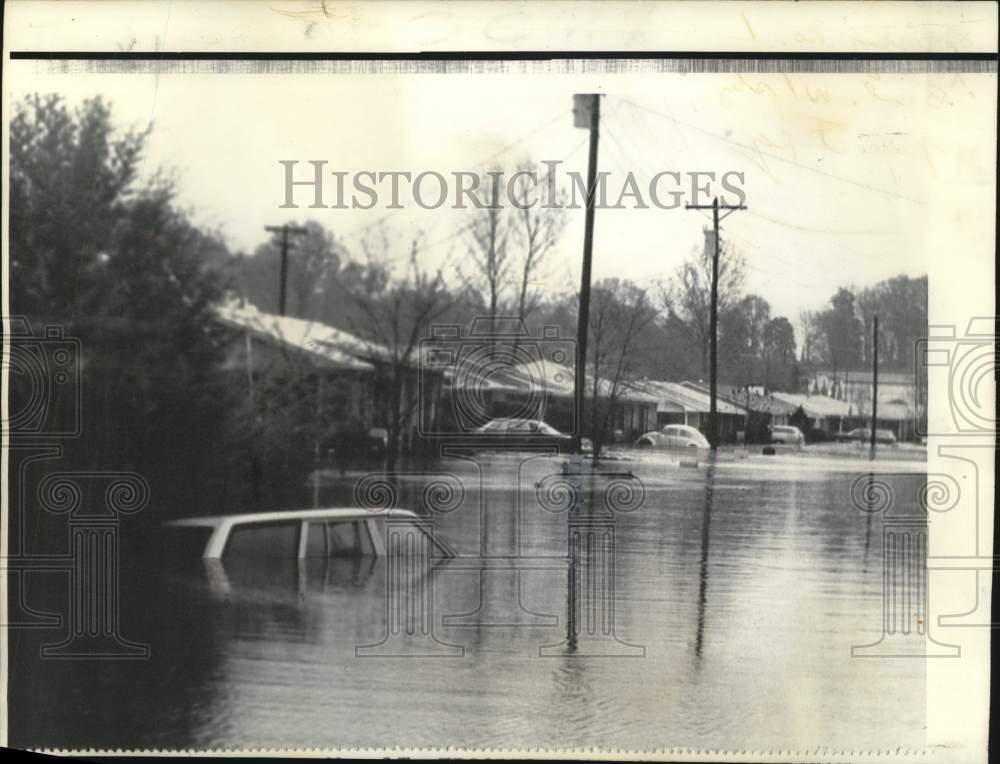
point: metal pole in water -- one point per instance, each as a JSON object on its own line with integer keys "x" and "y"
{"x": 874, "y": 385}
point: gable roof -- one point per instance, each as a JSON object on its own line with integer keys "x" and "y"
{"x": 330, "y": 346}
{"x": 816, "y": 406}
{"x": 865, "y": 376}
{"x": 685, "y": 398}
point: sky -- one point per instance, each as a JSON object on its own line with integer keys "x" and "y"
{"x": 843, "y": 173}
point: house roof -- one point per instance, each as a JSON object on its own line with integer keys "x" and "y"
{"x": 686, "y": 398}
{"x": 554, "y": 379}
{"x": 895, "y": 410}
{"x": 865, "y": 376}
{"x": 816, "y": 406}
{"x": 332, "y": 347}
{"x": 745, "y": 399}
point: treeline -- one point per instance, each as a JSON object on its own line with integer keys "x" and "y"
{"x": 107, "y": 253}
{"x": 840, "y": 336}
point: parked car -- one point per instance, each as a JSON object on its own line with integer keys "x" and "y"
{"x": 864, "y": 435}
{"x": 787, "y": 435}
{"x": 294, "y": 534}
{"x": 513, "y": 432}
{"x": 673, "y": 436}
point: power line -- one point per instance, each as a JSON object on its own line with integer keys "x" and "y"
{"x": 777, "y": 157}
{"x": 713, "y": 422}
{"x": 482, "y": 164}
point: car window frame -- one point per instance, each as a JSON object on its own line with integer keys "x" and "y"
{"x": 368, "y": 525}
{"x": 234, "y": 526}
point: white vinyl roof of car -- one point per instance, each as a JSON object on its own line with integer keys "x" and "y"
{"x": 341, "y": 513}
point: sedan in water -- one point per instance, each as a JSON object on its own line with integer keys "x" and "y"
{"x": 515, "y": 433}
{"x": 787, "y": 435}
{"x": 864, "y": 435}
{"x": 673, "y": 436}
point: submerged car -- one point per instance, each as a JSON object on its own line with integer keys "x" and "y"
{"x": 864, "y": 435}
{"x": 787, "y": 435}
{"x": 673, "y": 436}
{"x": 513, "y": 432}
{"x": 295, "y": 534}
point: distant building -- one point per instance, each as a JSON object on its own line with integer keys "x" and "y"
{"x": 821, "y": 411}
{"x": 348, "y": 370}
{"x": 898, "y": 406}
{"x": 855, "y": 387}
{"x": 543, "y": 390}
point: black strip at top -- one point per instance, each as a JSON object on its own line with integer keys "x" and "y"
{"x": 48, "y": 55}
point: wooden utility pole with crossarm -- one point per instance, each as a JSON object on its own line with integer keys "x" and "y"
{"x": 713, "y": 320}
{"x": 285, "y": 231}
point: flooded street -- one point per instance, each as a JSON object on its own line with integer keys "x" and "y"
{"x": 736, "y": 602}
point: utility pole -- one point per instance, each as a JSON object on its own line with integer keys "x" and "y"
{"x": 874, "y": 385}
{"x": 713, "y": 317}
{"x": 285, "y": 231}
{"x": 586, "y": 113}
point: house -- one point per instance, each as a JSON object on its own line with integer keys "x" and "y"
{"x": 681, "y": 403}
{"x": 856, "y": 386}
{"x": 899, "y": 408}
{"x": 541, "y": 389}
{"x": 818, "y": 412}
{"x": 762, "y": 410}
{"x": 267, "y": 344}
{"x": 356, "y": 375}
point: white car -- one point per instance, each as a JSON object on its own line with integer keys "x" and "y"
{"x": 673, "y": 436}
{"x": 791, "y": 436}
{"x": 296, "y": 534}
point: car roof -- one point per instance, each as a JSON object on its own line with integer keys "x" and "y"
{"x": 338, "y": 513}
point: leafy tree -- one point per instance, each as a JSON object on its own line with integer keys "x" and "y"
{"x": 781, "y": 371}
{"x": 314, "y": 262}
{"x": 106, "y": 253}
{"x": 843, "y": 330}
{"x": 901, "y": 305}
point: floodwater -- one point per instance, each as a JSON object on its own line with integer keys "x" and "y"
{"x": 735, "y": 601}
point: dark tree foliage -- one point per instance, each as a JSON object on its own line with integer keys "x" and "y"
{"x": 108, "y": 256}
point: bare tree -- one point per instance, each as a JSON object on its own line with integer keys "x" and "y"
{"x": 620, "y": 312}
{"x": 536, "y": 230}
{"x": 488, "y": 264}
{"x": 691, "y": 291}
{"x": 395, "y": 310}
